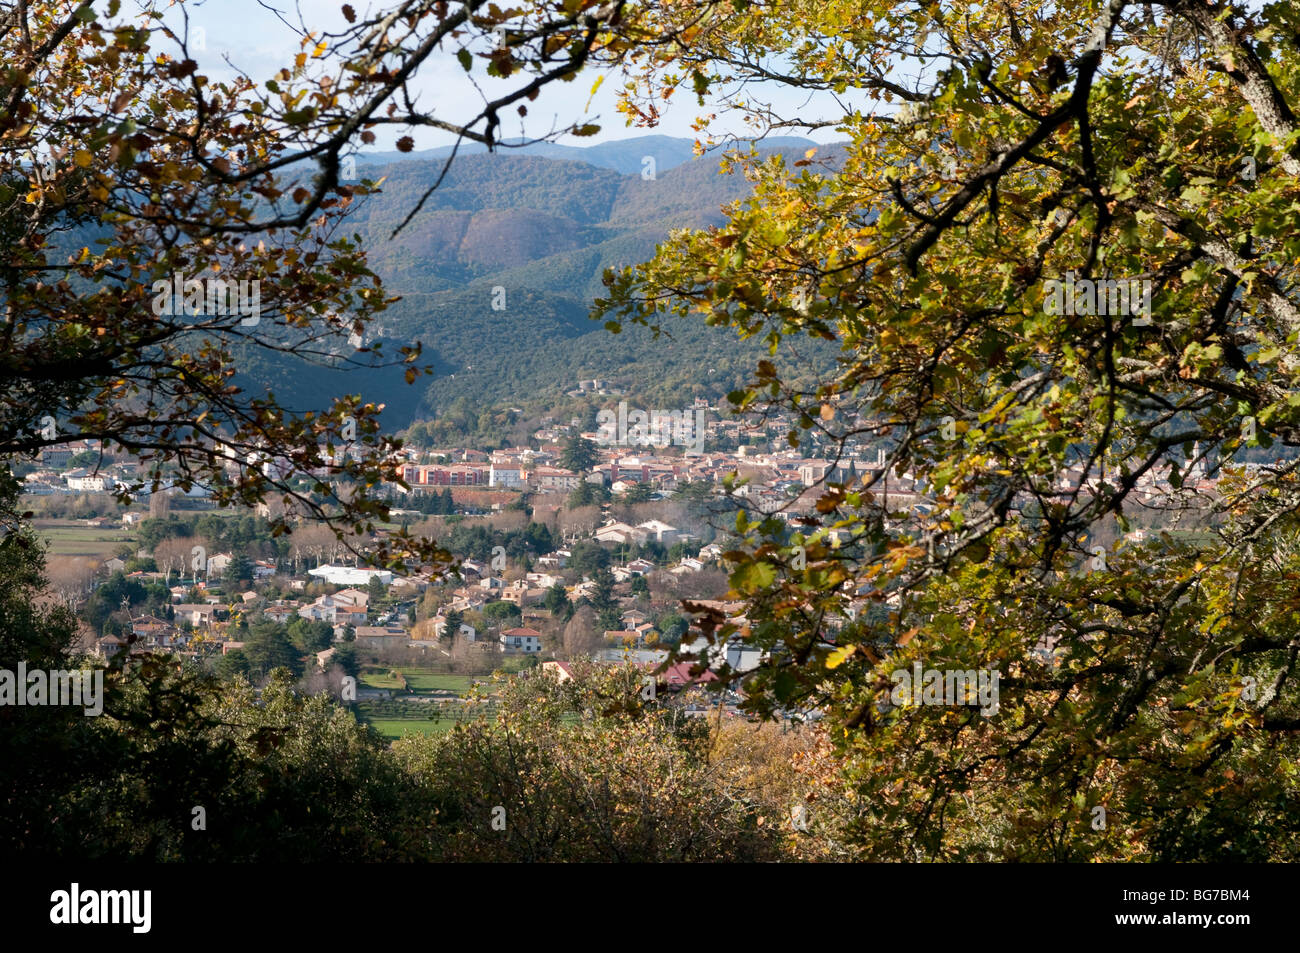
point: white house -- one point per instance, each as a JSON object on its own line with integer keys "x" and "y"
{"x": 335, "y": 610}
{"x": 465, "y": 631}
{"x": 352, "y": 597}
{"x": 521, "y": 640}
{"x": 556, "y": 560}
{"x": 197, "y": 614}
{"x": 640, "y": 567}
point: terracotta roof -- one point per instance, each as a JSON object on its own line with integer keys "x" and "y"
{"x": 680, "y": 674}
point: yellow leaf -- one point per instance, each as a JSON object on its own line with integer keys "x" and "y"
{"x": 836, "y": 658}
{"x": 595, "y": 86}
{"x": 82, "y": 158}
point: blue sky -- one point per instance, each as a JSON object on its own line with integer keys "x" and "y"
{"x": 255, "y": 40}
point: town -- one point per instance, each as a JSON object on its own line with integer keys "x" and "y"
{"x": 583, "y": 544}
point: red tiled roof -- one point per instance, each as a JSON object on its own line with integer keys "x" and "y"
{"x": 680, "y": 674}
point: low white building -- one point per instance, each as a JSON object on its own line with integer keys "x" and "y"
{"x": 465, "y": 630}
{"x": 350, "y": 575}
{"x": 740, "y": 657}
{"x": 88, "y": 482}
{"x": 660, "y": 531}
{"x": 620, "y": 533}
{"x": 543, "y": 580}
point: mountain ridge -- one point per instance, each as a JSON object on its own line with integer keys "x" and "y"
{"x": 626, "y": 156}
{"x": 496, "y": 276}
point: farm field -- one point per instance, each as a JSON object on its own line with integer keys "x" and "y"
{"x": 421, "y": 681}
{"x": 74, "y": 538}
{"x": 406, "y": 713}
{"x": 425, "y": 681}
{"x": 393, "y": 718}
{"x": 379, "y": 678}
{"x": 395, "y": 728}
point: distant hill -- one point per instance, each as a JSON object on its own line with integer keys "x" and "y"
{"x": 626, "y": 156}
{"x": 542, "y": 230}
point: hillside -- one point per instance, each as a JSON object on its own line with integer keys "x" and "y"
{"x": 543, "y": 230}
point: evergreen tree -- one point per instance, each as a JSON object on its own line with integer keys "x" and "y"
{"x": 454, "y": 619}
{"x": 557, "y": 601}
{"x": 239, "y": 571}
{"x": 579, "y": 455}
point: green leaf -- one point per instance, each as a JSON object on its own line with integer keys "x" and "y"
{"x": 753, "y": 576}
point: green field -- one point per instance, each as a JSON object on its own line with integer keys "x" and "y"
{"x": 394, "y": 728}
{"x": 402, "y": 715}
{"x": 423, "y": 680}
{"x": 70, "y": 538}
{"x": 393, "y": 718}
{"x": 379, "y": 678}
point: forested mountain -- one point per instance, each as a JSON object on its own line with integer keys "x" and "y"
{"x": 532, "y": 235}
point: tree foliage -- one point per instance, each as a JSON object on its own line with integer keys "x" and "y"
{"x": 993, "y": 155}
{"x": 586, "y": 770}
{"x": 131, "y": 183}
